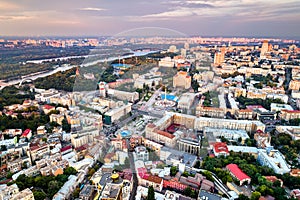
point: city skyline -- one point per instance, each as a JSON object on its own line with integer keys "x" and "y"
{"x": 193, "y": 17}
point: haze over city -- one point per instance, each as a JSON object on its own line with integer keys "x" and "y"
{"x": 150, "y": 100}
{"x": 194, "y": 17}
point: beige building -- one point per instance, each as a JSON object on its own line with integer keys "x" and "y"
{"x": 256, "y": 95}
{"x": 23, "y": 195}
{"x": 186, "y": 101}
{"x": 160, "y": 136}
{"x": 210, "y": 112}
{"x": 166, "y": 62}
{"x": 58, "y": 118}
{"x": 123, "y": 95}
{"x": 262, "y": 139}
{"x": 182, "y": 80}
{"x": 16, "y": 165}
{"x": 38, "y": 151}
{"x": 84, "y": 137}
{"x": 294, "y": 85}
{"x": 244, "y": 114}
{"x": 290, "y": 114}
{"x": 249, "y": 126}
{"x": 116, "y": 113}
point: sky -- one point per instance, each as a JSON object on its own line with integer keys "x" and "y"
{"x": 279, "y": 18}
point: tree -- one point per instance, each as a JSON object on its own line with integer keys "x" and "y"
{"x": 53, "y": 187}
{"x": 197, "y": 165}
{"x": 277, "y": 183}
{"x": 243, "y": 197}
{"x": 70, "y": 171}
{"x": 3, "y": 148}
{"x": 151, "y": 194}
{"x": 173, "y": 170}
{"x": 66, "y": 126}
{"x": 38, "y": 195}
{"x": 126, "y": 162}
{"x": 9, "y": 175}
{"x": 187, "y": 191}
{"x": 76, "y": 192}
{"x": 255, "y": 195}
{"x": 61, "y": 178}
{"x": 91, "y": 172}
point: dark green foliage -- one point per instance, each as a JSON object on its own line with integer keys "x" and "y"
{"x": 244, "y": 101}
{"x": 289, "y": 147}
{"x": 60, "y": 81}
{"x": 151, "y": 194}
{"x": 12, "y": 59}
{"x": 38, "y": 195}
{"x": 32, "y": 122}
{"x": 12, "y": 95}
{"x": 245, "y": 161}
{"x": 70, "y": 171}
{"x": 173, "y": 170}
{"x": 44, "y": 186}
{"x": 66, "y": 126}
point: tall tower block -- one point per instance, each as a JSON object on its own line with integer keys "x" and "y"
{"x": 264, "y": 48}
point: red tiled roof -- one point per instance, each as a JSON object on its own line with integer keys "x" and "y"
{"x": 272, "y": 178}
{"x": 154, "y": 179}
{"x": 26, "y": 132}
{"x": 165, "y": 134}
{"x": 237, "y": 172}
{"x": 291, "y": 111}
{"x": 65, "y": 148}
{"x": 142, "y": 172}
{"x": 48, "y": 107}
{"x": 221, "y": 147}
{"x": 151, "y": 125}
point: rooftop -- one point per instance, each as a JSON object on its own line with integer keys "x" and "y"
{"x": 221, "y": 147}
{"x": 237, "y": 172}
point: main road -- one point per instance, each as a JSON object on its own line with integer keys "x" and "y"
{"x": 133, "y": 170}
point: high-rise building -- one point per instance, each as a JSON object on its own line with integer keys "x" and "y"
{"x": 220, "y": 56}
{"x": 264, "y": 48}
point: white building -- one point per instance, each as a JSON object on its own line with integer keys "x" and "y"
{"x": 274, "y": 159}
{"x": 67, "y": 189}
{"x": 228, "y": 134}
{"x": 279, "y": 107}
{"x": 141, "y": 153}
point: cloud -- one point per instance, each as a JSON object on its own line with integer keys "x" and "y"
{"x": 7, "y": 6}
{"x": 242, "y": 10}
{"x": 64, "y": 22}
{"x": 92, "y": 9}
{"x": 14, "y": 17}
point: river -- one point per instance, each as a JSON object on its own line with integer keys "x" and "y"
{"x": 86, "y": 63}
